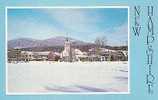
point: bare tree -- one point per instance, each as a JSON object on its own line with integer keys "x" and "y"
{"x": 101, "y": 41}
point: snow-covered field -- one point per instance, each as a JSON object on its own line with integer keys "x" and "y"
{"x": 76, "y": 77}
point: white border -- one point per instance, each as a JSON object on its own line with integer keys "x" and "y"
{"x": 63, "y": 7}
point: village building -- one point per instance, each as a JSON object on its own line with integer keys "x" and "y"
{"x": 70, "y": 54}
{"x": 67, "y": 54}
{"x": 107, "y": 55}
{"x": 81, "y": 56}
{"x": 26, "y": 56}
{"x": 14, "y": 55}
{"x": 53, "y": 56}
{"x": 40, "y": 56}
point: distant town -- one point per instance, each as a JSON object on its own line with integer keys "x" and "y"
{"x": 70, "y": 52}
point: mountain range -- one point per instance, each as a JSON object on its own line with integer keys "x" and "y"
{"x": 51, "y": 42}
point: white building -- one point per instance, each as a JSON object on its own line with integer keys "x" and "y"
{"x": 67, "y": 53}
{"x": 70, "y": 54}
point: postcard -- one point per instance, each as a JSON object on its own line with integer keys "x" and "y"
{"x": 96, "y": 51}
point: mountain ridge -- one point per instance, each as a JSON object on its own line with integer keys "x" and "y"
{"x": 50, "y": 42}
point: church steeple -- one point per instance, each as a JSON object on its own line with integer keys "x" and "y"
{"x": 67, "y": 37}
{"x": 68, "y": 51}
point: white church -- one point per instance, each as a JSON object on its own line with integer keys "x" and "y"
{"x": 70, "y": 54}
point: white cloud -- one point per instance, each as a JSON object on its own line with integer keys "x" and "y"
{"x": 123, "y": 29}
{"x": 74, "y": 20}
{"x": 118, "y": 36}
{"x": 31, "y": 28}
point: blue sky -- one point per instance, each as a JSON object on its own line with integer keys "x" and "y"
{"x": 83, "y": 24}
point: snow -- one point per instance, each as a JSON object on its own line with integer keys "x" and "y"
{"x": 45, "y": 77}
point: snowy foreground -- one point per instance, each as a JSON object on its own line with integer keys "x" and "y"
{"x": 64, "y": 77}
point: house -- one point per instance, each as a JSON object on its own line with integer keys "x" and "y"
{"x": 26, "y": 56}
{"x": 53, "y": 56}
{"x": 40, "y": 56}
{"x": 14, "y": 55}
{"x": 103, "y": 54}
{"x": 80, "y": 56}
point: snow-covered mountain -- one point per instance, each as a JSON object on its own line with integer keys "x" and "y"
{"x": 54, "y": 41}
